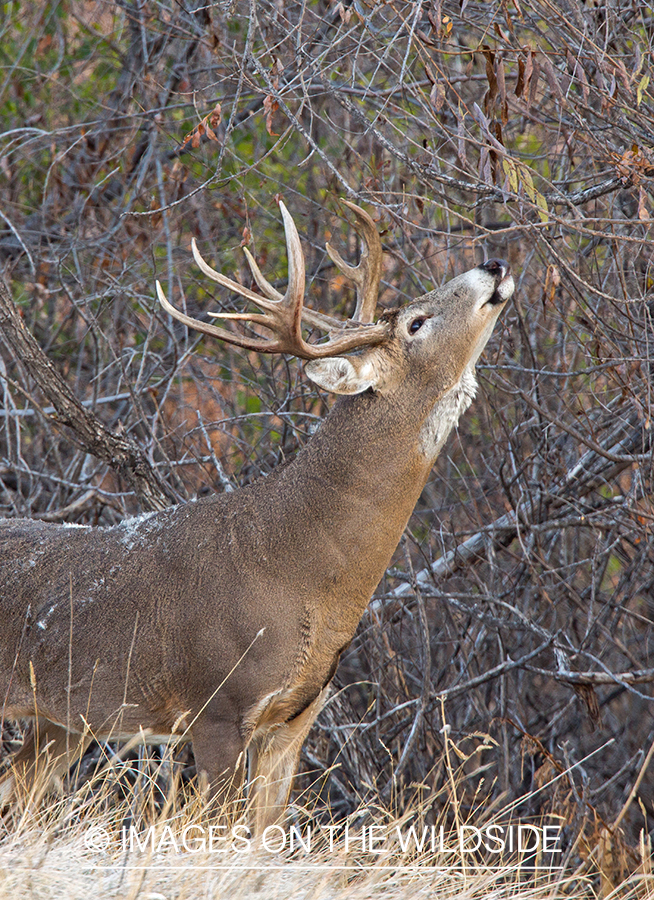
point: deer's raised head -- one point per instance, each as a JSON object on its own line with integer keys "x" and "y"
{"x": 432, "y": 343}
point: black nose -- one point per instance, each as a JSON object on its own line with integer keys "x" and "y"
{"x": 497, "y": 267}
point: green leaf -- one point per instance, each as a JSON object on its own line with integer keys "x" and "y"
{"x": 541, "y": 203}
{"x": 643, "y": 84}
{"x": 510, "y": 171}
{"x": 528, "y": 183}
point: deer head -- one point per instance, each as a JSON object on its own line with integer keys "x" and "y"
{"x": 433, "y": 342}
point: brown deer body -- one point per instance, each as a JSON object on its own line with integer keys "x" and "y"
{"x": 223, "y": 619}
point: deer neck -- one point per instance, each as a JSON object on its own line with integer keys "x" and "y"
{"x": 381, "y": 448}
{"x": 348, "y": 495}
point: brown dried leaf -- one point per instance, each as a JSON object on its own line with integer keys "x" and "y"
{"x": 431, "y": 75}
{"x": 586, "y": 693}
{"x": 533, "y": 87}
{"x": 501, "y": 84}
{"x": 544, "y": 774}
{"x": 552, "y": 281}
{"x": 435, "y": 17}
{"x": 520, "y": 83}
{"x": 622, "y": 72}
{"x": 204, "y": 128}
{"x": 345, "y": 14}
{"x": 492, "y": 80}
{"x": 215, "y": 115}
{"x": 643, "y": 212}
{"x": 552, "y": 80}
{"x": 485, "y": 171}
{"x": 270, "y": 106}
{"x": 632, "y": 165}
{"x": 437, "y": 96}
{"x": 529, "y": 67}
{"x": 518, "y": 9}
{"x": 425, "y": 38}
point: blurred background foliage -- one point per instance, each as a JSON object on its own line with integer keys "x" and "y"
{"x": 515, "y": 128}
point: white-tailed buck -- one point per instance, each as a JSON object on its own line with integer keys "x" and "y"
{"x": 222, "y": 620}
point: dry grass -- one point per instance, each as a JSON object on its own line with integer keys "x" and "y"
{"x": 58, "y": 865}
{"x": 77, "y": 845}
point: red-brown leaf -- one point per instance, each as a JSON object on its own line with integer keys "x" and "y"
{"x": 270, "y": 106}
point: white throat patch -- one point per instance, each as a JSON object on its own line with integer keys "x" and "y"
{"x": 446, "y": 413}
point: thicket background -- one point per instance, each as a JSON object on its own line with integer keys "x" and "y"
{"x": 519, "y": 128}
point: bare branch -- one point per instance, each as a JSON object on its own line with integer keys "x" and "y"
{"x": 119, "y": 451}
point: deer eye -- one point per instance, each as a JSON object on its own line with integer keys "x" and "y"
{"x": 416, "y": 324}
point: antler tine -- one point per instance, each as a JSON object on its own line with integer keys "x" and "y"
{"x": 260, "y": 344}
{"x": 367, "y": 274}
{"x": 262, "y": 282}
{"x": 293, "y": 299}
{"x": 282, "y": 315}
{"x": 311, "y": 316}
{"x": 234, "y": 285}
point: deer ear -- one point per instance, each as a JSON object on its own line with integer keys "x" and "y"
{"x": 341, "y": 375}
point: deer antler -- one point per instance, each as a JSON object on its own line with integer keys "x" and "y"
{"x": 284, "y": 315}
{"x": 367, "y": 274}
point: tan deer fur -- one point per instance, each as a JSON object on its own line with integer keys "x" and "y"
{"x": 223, "y": 619}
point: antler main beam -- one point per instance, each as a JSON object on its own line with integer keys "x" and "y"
{"x": 284, "y": 315}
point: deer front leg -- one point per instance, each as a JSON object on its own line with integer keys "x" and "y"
{"x": 272, "y": 763}
{"x": 219, "y": 752}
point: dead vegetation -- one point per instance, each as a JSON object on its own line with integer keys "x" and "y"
{"x": 113, "y": 829}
